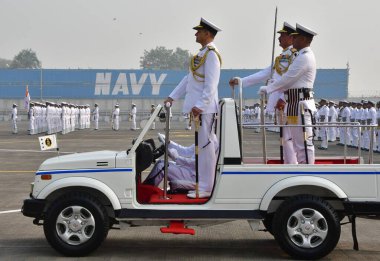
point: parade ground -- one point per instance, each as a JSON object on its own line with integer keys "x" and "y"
{"x": 20, "y": 157}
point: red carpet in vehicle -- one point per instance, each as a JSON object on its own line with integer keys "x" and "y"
{"x": 176, "y": 199}
{"x": 148, "y": 194}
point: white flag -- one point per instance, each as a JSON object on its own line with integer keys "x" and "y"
{"x": 48, "y": 142}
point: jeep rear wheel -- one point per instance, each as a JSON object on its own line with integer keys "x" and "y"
{"x": 76, "y": 225}
{"x": 306, "y": 227}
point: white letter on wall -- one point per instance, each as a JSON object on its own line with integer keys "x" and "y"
{"x": 121, "y": 85}
{"x": 102, "y": 83}
{"x": 156, "y": 84}
{"x": 136, "y": 87}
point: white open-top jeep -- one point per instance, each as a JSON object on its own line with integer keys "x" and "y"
{"x": 79, "y": 197}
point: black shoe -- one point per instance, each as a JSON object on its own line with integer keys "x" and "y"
{"x": 322, "y": 148}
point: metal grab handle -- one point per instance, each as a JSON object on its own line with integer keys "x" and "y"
{"x": 166, "y": 160}
{"x": 240, "y": 123}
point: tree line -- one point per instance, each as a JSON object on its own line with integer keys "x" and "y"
{"x": 159, "y": 58}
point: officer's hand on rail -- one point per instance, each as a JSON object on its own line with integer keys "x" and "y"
{"x": 233, "y": 82}
{"x": 262, "y": 90}
{"x": 196, "y": 111}
{"x": 280, "y": 105}
{"x": 168, "y": 100}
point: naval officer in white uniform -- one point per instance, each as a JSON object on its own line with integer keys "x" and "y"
{"x": 200, "y": 88}
{"x": 297, "y": 85}
{"x": 281, "y": 66}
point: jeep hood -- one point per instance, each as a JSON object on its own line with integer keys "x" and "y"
{"x": 87, "y": 160}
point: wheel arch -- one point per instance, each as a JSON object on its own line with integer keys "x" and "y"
{"x": 88, "y": 185}
{"x": 300, "y": 185}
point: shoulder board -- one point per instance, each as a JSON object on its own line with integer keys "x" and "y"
{"x": 211, "y": 47}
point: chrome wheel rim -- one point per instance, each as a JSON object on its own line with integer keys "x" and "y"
{"x": 307, "y": 228}
{"x": 75, "y": 225}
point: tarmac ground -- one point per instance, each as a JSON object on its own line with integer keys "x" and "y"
{"x": 20, "y": 157}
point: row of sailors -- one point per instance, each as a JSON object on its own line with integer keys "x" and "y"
{"x": 252, "y": 115}
{"x": 51, "y": 117}
{"x": 361, "y": 113}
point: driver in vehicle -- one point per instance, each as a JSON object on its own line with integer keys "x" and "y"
{"x": 181, "y": 169}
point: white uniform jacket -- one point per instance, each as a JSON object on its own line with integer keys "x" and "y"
{"x": 301, "y": 74}
{"x": 284, "y": 60}
{"x": 201, "y": 92}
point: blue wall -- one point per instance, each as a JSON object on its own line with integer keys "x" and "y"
{"x": 145, "y": 84}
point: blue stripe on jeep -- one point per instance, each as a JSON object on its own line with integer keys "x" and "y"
{"x": 71, "y": 171}
{"x": 299, "y": 172}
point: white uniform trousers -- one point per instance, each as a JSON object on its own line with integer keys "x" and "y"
{"x": 287, "y": 146}
{"x": 133, "y": 122}
{"x": 345, "y": 136}
{"x": 115, "y": 125}
{"x": 297, "y": 138}
{"x": 32, "y": 129}
{"x": 207, "y": 144}
{"x": 323, "y": 134}
{"x": 355, "y": 136}
{"x": 14, "y": 126}
{"x": 332, "y": 134}
{"x": 96, "y": 121}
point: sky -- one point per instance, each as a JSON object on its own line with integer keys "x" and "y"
{"x": 113, "y": 34}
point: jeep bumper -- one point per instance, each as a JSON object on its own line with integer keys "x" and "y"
{"x": 33, "y": 207}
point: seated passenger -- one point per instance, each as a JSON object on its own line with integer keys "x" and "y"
{"x": 181, "y": 170}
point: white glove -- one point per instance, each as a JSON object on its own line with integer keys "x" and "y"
{"x": 262, "y": 90}
{"x": 173, "y": 154}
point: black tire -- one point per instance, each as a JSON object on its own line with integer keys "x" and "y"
{"x": 314, "y": 228}
{"x": 76, "y": 224}
{"x": 268, "y": 222}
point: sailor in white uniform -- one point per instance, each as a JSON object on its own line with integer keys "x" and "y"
{"x": 297, "y": 84}
{"x": 323, "y": 114}
{"x": 132, "y": 114}
{"x": 378, "y": 127}
{"x": 200, "y": 88}
{"x": 281, "y": 66}
{"x": 345, "y": 134}
{"x": 333, "y": 115}
{"x": 32, "y": 118}
{"x": 14, "y": 118}
{"x": 95, "y": 114}
{"x": 115, "y": 117}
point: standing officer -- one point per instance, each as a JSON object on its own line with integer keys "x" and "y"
{"x": 95, "y": 114}
{"x": 333, "y": 115}
{"x": 132, "y": 114}
{"x": 32, "y": 118}
{"x": 115, "y": 117}
{"x": 200, "y": 88}
{"x": 297, "y": 84}
{"x": 323, "y": 114}
{"x": 281, "y": 66}
{"x": 14, "y": 118}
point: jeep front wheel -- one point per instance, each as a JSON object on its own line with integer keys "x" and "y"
{"x": 306, "y": 227}
{"x": 76, "y": 225}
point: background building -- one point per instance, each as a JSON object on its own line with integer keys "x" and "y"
{"x": 142, "y": 87}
